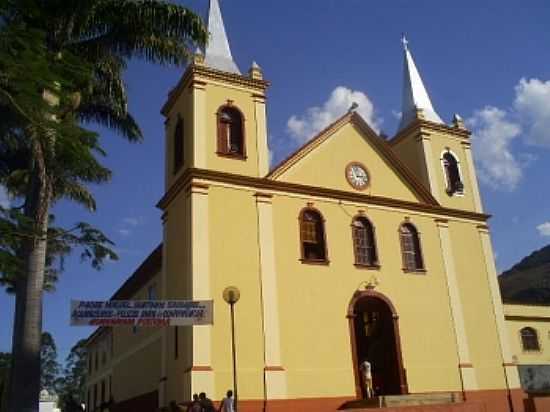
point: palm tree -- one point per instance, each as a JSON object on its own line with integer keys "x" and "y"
{"x": 88, "y": 44}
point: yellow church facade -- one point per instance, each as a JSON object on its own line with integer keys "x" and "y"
{"x": 353, "y": 248}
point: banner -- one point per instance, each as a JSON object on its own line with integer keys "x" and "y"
{"x": 148, "y": 313}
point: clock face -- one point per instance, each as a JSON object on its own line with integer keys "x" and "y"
{"x": 357, "y": 176}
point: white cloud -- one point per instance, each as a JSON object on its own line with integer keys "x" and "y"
{"x": 544, "y": 229}
{"x": 302, "y": 128}
{"x": 124, "y": 232}
{"x": 133, "y": 221}
{"x": 493, "y": 133}
{"x": 495, "y": 129}
{"x": 532, "y": 105}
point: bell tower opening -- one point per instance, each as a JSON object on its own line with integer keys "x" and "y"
{"x": 374, "y": 334}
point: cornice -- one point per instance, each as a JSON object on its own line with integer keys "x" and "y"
{"x": 519, "y": 303}
{"x": 419, "y": 124}
{"x": 255, "y": 184}
{"x": 524, "y": 317}
{"x": 208, "y": 73}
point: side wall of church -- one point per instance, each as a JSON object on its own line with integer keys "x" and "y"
{"x": 479, "y": 313}
{"x": 536, "y": 317}
{"x": 123, "y": 354}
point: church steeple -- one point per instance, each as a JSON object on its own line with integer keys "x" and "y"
{"x": 218, "y": 53}
{"x": 416, "y": 101}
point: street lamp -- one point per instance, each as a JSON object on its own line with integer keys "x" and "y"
{"x": 231, "y": 295}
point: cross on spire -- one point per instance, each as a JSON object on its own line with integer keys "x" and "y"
{"x": 404, "y": 42}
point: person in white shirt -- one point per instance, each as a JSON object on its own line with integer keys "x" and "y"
{"x": 366, "y": 375}
{"x": 227, "y": 404}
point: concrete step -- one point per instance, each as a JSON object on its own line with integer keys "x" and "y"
{"x": 451, "y": 407}
{"x": 399, "y": 401}
{"x": 420, "y": 399}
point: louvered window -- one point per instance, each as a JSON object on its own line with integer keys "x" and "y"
{"x": 230, "y": 132}
{"x": 312, "y": 235}
{"x": 529, "y": 339}
{"x": 452, "y": 174}
{"x": 410, "y": 248}
{"x": 364, "y": 242}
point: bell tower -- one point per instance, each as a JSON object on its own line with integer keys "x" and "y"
{"x": 439, "y": 155}
{"x": 216, "y": 116}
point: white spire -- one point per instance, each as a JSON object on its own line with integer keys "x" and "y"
{"x": 218, "y": 54}
{"x": 415, "y": 96}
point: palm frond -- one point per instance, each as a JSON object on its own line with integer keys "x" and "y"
{"x": 76, "y": 192}
{"x": 155, "y": 30}
{"x": 124, "y": 124}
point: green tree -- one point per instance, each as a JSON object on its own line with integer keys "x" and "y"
{"x": 80, "y": 51}
{"x": 72, "y": 385}
{"x": 5, "y": 364}
{"x": 5, "y": 360}
{"x": 49, "y": 366}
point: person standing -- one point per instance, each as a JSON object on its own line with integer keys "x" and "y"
{"x": 206, "y": 403}
{"x": 195, "y": 405}
{"x": 228, "y": 403}
{"x": 366, "y": 375}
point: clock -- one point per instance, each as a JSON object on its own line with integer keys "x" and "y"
{"x": 357, "y": 176}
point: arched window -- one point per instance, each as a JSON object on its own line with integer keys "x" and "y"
{"x": 230, "y": 132}
{"x": 312, "y": 237}
{"x": 529, "y": 339}
{"x": 452, "y": 174}
{"x": 178, "y": 146}
{"x": 364, "y": 243}
{"x": 410, "y": 248}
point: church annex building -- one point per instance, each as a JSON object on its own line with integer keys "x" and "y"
{"x": 355, "y": 247}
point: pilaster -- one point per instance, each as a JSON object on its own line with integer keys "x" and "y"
{"x": 510, "y": 369}
{"x": 466, "y": 146}
{"x": 261, "y": 135}
{"x": 467, "y": 372}
{"x": 201, "y": 374}
{"x": 426, "y": 142}
{"x": 162, "y": 295}
{"x": 275, "y": 374}
{"x": 199, "y": 124}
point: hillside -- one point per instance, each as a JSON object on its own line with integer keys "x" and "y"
{"x": 529, "y": 280}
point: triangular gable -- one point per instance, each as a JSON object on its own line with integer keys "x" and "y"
{"x": 294, "y": 169}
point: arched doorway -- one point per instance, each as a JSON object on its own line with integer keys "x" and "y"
{"x": 374, "y": 333}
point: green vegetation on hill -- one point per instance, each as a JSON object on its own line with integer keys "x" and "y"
{"x": 529, "y": 280}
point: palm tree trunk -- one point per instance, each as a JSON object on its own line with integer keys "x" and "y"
{"x": 25, "y": 374}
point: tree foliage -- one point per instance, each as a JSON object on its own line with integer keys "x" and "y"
{"x": 49, "y": 366}
{"x": 94, "y": 247}
{"x": 71, "y": 386}
{"x": 5, "y": 360}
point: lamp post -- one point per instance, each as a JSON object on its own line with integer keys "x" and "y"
{"x": 231, "y": 295}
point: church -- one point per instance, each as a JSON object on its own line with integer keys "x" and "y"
{"x": 355, "y": 247}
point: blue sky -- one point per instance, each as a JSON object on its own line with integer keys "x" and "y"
{"x": 488, "y": 61}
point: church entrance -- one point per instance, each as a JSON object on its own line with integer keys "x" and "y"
{"x": 375, "y": 338}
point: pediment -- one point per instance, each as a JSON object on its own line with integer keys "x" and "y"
{"x": 325, "y": 160}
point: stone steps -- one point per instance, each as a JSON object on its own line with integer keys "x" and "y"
{"x": 412, "y": 403}
{"x": 420, "y": 399}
